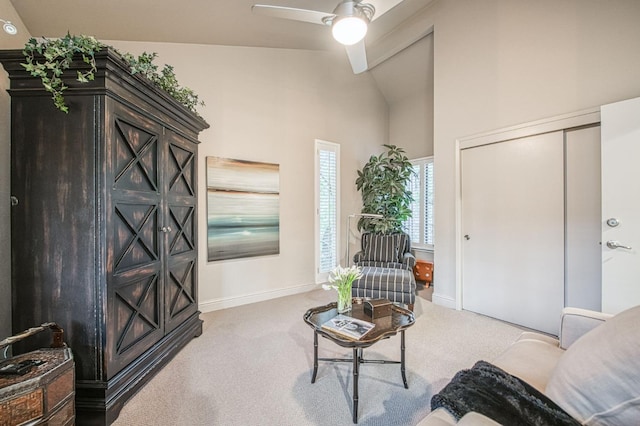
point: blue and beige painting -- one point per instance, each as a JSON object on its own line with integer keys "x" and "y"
{"x": 243, "y": 209}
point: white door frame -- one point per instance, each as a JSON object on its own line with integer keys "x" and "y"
{"x": 562, "y": 122}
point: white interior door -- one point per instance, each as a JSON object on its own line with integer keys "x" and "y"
{"x": 513, "y": 223}
{"x": 583, "y": 251}
{"x": 620, "y": 205}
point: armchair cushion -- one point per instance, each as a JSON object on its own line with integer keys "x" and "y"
{"x": 372, "y": 264}
{"x": 597, "y": 380}
{"x": 395, "y": 284}
{"x": 382, "y": 248}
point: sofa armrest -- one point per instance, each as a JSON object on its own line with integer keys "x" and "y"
{"x": 575, "y": 322}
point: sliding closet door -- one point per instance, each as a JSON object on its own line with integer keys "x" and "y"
{"x": 513, "y": 227}
{"x": 583, "y": 267}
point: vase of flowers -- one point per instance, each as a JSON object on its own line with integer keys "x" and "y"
{"x": 341, "y": 279}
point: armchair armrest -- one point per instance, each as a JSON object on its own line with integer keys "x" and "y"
{"x": 575, "y": 322}
{"x": 358, "y": 257}
{"x": 409, "y": 261}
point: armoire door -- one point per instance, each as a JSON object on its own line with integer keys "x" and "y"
{"x": 180, "y": 220}
{"x": 513, "y": 227}
{"x": 134, "y": 245}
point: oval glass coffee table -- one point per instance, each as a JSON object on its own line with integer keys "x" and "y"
{"x": 399, "y": 320}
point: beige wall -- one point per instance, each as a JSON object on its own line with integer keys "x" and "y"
{"x": 8, "y": 13}
{"x": 501, "y": 63}
{"x": 406, "y": 81}
{"x": 269, "y": 105}
{"x": 411, "y": 112}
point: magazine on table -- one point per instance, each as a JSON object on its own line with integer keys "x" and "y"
{"x": 345, "y": 326}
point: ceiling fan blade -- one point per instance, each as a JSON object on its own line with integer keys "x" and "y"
{"x": 313, "y": 16}
{"x": 358, "y": 57}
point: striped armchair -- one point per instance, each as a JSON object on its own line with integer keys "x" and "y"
{"x": 387, "y": 268}
{"x": 385, "y": 251}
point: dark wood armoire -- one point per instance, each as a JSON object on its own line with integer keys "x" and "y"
{"x": 103, "y": 223}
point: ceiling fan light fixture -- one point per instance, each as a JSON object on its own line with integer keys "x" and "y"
{"x": 8, "y": 27}
{"x": 350, "y": 21}
{"x": 349, "y": 30}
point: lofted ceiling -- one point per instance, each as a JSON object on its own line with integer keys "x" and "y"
{"x": 231, "y": 22}
{"x": 220, "y": 22}
{"x": 408, "y": 75}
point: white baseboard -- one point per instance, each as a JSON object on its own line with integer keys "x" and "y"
{"x": 446, "y": 301}
{"x": 230, "y": 302}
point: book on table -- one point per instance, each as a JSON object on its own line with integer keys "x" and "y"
{"x": 349, "y": 327}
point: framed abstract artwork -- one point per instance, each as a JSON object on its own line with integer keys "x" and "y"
{"x": 243, "y": 209}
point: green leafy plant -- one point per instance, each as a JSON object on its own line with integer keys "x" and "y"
{"x": 383, "y": 185}
{"x": 164, "y": 79}
{"x": 58, "y": 55}
{"x": 48, "y": 59}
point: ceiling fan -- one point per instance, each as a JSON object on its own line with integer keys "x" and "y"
{"x": 348, "y": 23}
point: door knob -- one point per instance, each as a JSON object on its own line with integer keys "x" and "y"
{"x": 616, "y": 244}
{"x": 165, "y": 229}
{"x": 467, "y": 237}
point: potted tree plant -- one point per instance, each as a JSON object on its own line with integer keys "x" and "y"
{"x": 383, "y": 183}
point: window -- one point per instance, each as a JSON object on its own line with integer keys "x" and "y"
{"x": 420, "y": 225}
{"x": 327, "y": 203}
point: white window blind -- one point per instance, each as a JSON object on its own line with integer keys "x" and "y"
{"x": 420, "y": 225}
{"x": 327, "y": 178}
{"x": 428, "y": 203}
{"x": 412, "y": 225}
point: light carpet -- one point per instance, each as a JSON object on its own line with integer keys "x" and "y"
{"x": 253, "y": 364}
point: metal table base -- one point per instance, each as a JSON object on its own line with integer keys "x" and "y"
{"x": 356, "y": 360}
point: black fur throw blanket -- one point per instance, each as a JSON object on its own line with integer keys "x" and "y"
{"x": 491, "y": 391}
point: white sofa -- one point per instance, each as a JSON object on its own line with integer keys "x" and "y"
{"x": 592, "y": 371}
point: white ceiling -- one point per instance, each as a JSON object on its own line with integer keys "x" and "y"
{"x": 221, "y": 22}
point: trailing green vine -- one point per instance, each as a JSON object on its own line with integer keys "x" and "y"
{"x": 165, "y": 79}
{"x": 58, "y": 54}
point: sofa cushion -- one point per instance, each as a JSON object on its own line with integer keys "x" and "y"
{"x": 382, "y": 248}
{"x": 597, "y": 380}
{"x": 491, "y": 391}
{"x": 442, "y": 417}
{"x": 439, "y": 417}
